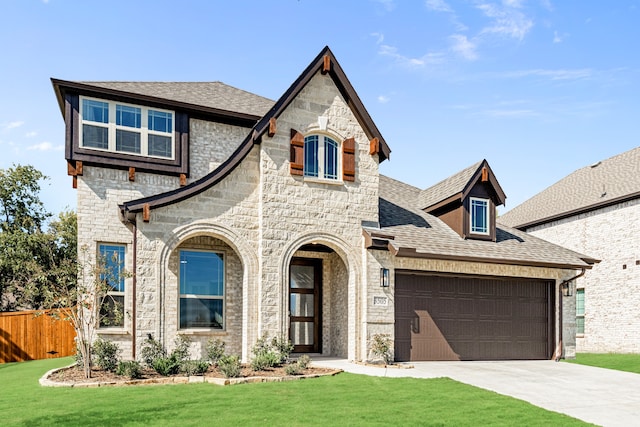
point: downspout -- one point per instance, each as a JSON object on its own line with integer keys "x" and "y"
{"x": 559, "y": 349}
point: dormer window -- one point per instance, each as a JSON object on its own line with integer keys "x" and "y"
{"x": 320, "y": 157}
{"x": 125, "y": 128}
{"x": 479, "y": 215}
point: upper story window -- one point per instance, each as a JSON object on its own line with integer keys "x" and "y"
{"x": 112, "y": 274}
{"x": 479, "y": 215}
{"x": 321, "y": 157}
{"x": 125, "y": 128}
{"x": 202, "y": 285}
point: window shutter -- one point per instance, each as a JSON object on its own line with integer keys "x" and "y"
{"x": 349, "y": 159}
{"x": 296, "y": 161}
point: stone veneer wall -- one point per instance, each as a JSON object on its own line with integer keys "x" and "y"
{"x": 611, "y": 234}
{"x": 297, "y": 210}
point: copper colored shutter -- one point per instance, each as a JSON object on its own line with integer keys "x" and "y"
{"x": 296, "y": 163}
{"x": 349, "y": 159}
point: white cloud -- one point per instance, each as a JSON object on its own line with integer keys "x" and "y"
{"x": 30, "y": 134}
{"x": 556, "y": 37}
{"x": 427, "y": 59}
{"x": 506, "y": 21}
{"x": 379, "y": 37}
{"x": 438, "y": 5}
{"x": 509, "y": 113}
{"x": 577, "y": 74}
{"x": 463, "y": 47}
{"x": 12, "y": 125}
{"x": 383, "y": 99}
{"x": 45, "y": 146}
{"x": 388, "y": 5}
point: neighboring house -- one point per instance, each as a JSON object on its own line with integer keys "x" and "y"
{"x": 243, "y": 217}
{"x": 596, "y": 210}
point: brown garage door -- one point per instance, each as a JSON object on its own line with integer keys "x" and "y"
{"x": 467, "y": 318}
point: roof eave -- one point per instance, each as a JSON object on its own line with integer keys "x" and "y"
{"x": 60, "y": 86}
{"x": 413, "y": 253}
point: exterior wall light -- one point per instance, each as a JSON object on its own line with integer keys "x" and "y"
{"x": 384, "y": 277}
{"x": 567, "y": 289}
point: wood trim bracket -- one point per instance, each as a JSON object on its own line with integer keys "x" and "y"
{"x": 146, "y": 212}
{"x": 485, "y": 175}
{"x": 183, "y": 180}
{"x": 374, "y": 146}
{"x": 326, "y": 64}
{"x": 74, "y": 183}
{"x": 272, "y": 127}
{"x": 132, "y": 174}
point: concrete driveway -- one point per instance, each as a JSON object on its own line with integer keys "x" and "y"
{"x": 600, "y": 396}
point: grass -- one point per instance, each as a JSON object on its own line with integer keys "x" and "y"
{"x": 619, "y": 362}
{"x": 345, "y": 399}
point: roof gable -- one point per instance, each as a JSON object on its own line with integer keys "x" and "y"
{"x": 458, "y": 186}
{"x": 604, "y": 183}
{"x": 324, "y": 62}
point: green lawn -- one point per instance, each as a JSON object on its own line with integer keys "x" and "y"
{"x": 620, "y": 362}
{"x": 345, "y": 399}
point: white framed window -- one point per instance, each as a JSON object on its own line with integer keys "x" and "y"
{"x": 125, "y": 128}
{"x": 321, "y": 157}
{"x": 580, "y": 311}
{"x": 111, "y": 260}
{"x": 202, "y": 289}
{"x": 479, "y": 215}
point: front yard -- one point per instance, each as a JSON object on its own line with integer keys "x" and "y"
{"x": 345, "y": 399}
{"x": 619, "y": 362}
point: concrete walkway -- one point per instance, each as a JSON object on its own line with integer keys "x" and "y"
{"x": 601, "y": 396}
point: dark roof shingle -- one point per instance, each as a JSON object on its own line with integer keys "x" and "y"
{"x": 606, "y": 182}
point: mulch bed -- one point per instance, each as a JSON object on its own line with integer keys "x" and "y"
{"x": 74, "y": 377}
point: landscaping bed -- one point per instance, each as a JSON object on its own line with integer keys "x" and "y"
{"x": 73, "y": 376}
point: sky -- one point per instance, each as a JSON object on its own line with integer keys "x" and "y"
{"x": 539, "y": 88}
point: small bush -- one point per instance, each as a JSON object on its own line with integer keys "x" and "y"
{"x": 304, "y": 361}
{"x": 282, "y": 347}
{"x": 229, "y": 366}
{"x": 130, "y": 368}
{"x": 293, "y": 369}
{"x": 215, "y": 350}
{"x": 181, "y": 351}
{"x": 264, "y": 361}
{"x": 107, "y": 354}
{"x": 381, "y": 346}
{"x": 194, "y": 367}
{"x": 165, "y": 366}
{"x": 152, "y": 350}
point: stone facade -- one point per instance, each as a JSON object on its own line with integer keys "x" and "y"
{"x": 261, "y": 217}
{"x": 611, "y": 301}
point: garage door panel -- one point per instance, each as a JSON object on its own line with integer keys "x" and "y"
{"x": 463, "y": 318}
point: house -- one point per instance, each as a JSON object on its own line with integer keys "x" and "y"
{"x": 242, "y": 217}
{"x": 596, "y": 210}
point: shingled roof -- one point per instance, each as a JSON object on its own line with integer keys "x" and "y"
{"x": 413, "y": 233}
{"x": 213, "y": 97}
{"x": 605, "y": 183}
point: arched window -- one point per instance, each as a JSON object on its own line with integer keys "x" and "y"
{"x": 321, "y": 157}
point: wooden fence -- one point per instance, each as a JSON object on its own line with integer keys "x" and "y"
{"x": 25, "y": 335}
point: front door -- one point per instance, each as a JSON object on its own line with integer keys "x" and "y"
{"x": 305, "y": 281}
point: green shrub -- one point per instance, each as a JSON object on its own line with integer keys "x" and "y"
{"x": 215, "y": 350}
{"x": 194, "y": 367}
{"x": 304, "y": 361}
{"x": 293, "y": 369}
{"x": 229, "y": 366}
{"x": 106, "y": 354}
{"x": 129, "y": 368}
{"x": 152, "y": 350}
{"x": 165, "y": 366}
{"x": 181, "y": 351}
{"x": 269, "y": 354}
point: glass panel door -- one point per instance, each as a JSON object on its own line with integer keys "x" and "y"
{"x": 305, "y": 277}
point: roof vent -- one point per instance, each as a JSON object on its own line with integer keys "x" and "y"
{"x": 595, "y": 165}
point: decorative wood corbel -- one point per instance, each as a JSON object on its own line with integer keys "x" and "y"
{"x": 272, "y": 127}
{"x": 132, "y": 174}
